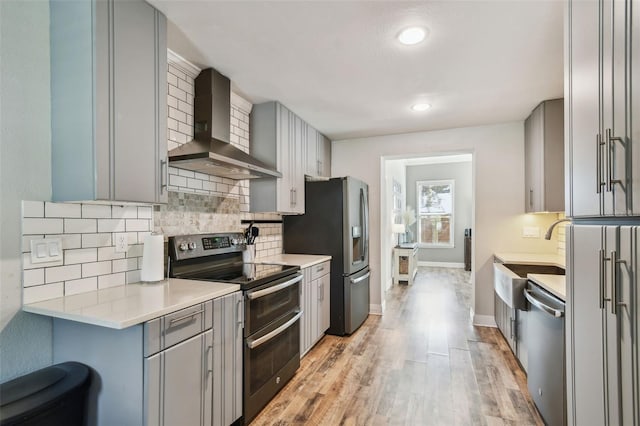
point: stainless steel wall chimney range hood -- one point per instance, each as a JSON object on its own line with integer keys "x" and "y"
{"x": 210, "y": 151}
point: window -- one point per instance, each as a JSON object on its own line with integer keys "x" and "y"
{"x": 435, "y": 213}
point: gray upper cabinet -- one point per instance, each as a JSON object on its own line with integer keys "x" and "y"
{"x": 278, "y": 138}
{"x": 109, "y": 101}
{"x": 544, "y": 158}
{"x": 318, "y": 161}
{"x": 601, "y": 92}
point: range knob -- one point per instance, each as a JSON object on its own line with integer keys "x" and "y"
{"x": 192, "y": 246}
{"x": 235, "y": 241}
{"x": 183, "y": 247}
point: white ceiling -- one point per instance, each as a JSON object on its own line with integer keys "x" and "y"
{"x": 338, "y": 65}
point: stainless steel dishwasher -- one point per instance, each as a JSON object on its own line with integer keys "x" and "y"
{"x": 546, "y": 354}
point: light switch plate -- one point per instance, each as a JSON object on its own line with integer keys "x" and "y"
{"x": 531, "y": 232}
{"x": 46, "y": 250}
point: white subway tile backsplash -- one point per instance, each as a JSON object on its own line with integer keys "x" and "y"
{"x": 111, "y": 225}
{"x": 69, "y": 241}
{"x": 41, "y": 226}
{"x": 33, "y": 209}
{"x": 177, "y": 180}
{"x": 96, "y": 240}
{"x": 62, "y": 273}
{"x": 113, "y": 280}
{"x": 42, "y": 292}
{"x": 124, "y": 265}
{"x": 86, "y": 255}
{"x": 186, "y": 173}
{"x": 96, "y": 211}
{"x": 80, "y": 286}
{"x": 96, "y": 268}
{"x": 133, "y": 276}
{"x": 135, "y": 250}
{"x": 109, "y": 253}
{"x": 177, "y": 93}
{"x": 86, "y": 232}
{"x": 81, "y": 226}
{"x": 33, "y": 277}
{"x": 145, "y": 212}
{"x": 135, "y": 225}
{"x": 194, "y": 183}
{"x": 172, "y": 79}
{"x": 62, "y": 210}
{"x": 126, "y": 212}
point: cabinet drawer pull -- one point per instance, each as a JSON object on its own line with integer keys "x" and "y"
{"x": 184, "y": 317}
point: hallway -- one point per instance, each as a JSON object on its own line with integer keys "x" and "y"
{"x": 422, "y": 363}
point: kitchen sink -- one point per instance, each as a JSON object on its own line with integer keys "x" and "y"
{"x": 510, "y": 280}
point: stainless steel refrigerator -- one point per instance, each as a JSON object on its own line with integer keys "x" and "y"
{"x": 336, "y": 223}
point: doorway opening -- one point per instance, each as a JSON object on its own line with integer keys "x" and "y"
{"x": 426, "y": 208}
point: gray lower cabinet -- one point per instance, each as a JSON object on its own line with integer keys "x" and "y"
{"x": 314, "y": 299}
{"x": 108, "y": 101}
{"x": 179, "y": 395}
{"x": 228, "y": 324}
{"x": 512, "y": 324}
{"x": 184, "y": 368}
{"x": 602, "y": 325}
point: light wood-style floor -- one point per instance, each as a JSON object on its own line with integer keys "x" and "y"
{"x": 422, "y": 363}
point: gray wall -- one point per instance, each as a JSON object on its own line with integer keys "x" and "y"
{"x": 25, "y": 173}
{"x": 462, "y": 209}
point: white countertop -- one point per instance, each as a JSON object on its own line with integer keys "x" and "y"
{"x": 301, "y": 260}
{"x": 554, "y": 284}
{"x": 131, "y": 304}
{"x": 531, "y": 259}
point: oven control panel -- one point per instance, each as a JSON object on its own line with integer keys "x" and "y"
{"x": 199, "y": 245}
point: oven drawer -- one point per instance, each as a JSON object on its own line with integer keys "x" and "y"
{"x": 266, "y": 304}
{"x": 319, "y": 270}
{"x": 171, "y": 329}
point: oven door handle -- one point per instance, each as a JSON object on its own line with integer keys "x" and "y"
{"x": 261, "y": 293}
{"x": 538, "y": 304}
{"x": 254, "y": 343}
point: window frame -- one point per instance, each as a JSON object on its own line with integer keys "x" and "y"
{"x": 440, "y": 182}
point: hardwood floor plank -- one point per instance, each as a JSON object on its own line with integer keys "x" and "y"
{"x": 421, "y": 363}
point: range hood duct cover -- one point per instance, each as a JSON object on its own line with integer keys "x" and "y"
{"x": 210, "y": 151}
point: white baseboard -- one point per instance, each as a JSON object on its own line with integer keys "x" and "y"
{"x": 441, "y": 264}
{"x": 484, "y": 321}
{"x": 376, "y": 309}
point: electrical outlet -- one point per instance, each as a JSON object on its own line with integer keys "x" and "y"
{"x": 122, "y": 243}
{"x": 531, "y": 232}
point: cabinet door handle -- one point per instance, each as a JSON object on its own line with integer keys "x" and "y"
{"x": 614, "y": 282}
{"x": 319, "y": 168}
{"x": 530, "y": 197}
{"x": 599, "y": 182}
{"x": 163, "y": 175}
{"x": 611, "y": 181}
{"x": 601, "y": 278}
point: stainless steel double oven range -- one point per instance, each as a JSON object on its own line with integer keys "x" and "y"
{"x": 271, "y": 308}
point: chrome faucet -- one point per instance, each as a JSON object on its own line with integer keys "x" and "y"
{"x": 547, "y": 236}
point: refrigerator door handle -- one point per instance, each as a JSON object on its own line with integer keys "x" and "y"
{"x": 362, "y": 278}
{"x": 365, "y": 223}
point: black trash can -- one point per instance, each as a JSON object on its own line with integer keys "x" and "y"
{"x": 52, "y": 396}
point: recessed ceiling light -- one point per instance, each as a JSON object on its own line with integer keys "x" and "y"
{"x": 420, "y": 107}
{"x": 412, "y": 35}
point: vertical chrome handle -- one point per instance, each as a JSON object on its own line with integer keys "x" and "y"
{"x": 614, "y": 283}
{"x": 163, "y": 175}
{"x": 601, "y": 278}
{"x": 530, "y": 197}
{"x": 609, "y": 139}
{"x": 207, "y": 370}
{"x": 295, "y": 197}
{"x": 291, "y": 197}
{"x": 319, "y": 167}
{"x": 599, "y": 182}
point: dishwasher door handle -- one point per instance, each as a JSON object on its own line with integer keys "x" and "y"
{"x": 538, "y": 304}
